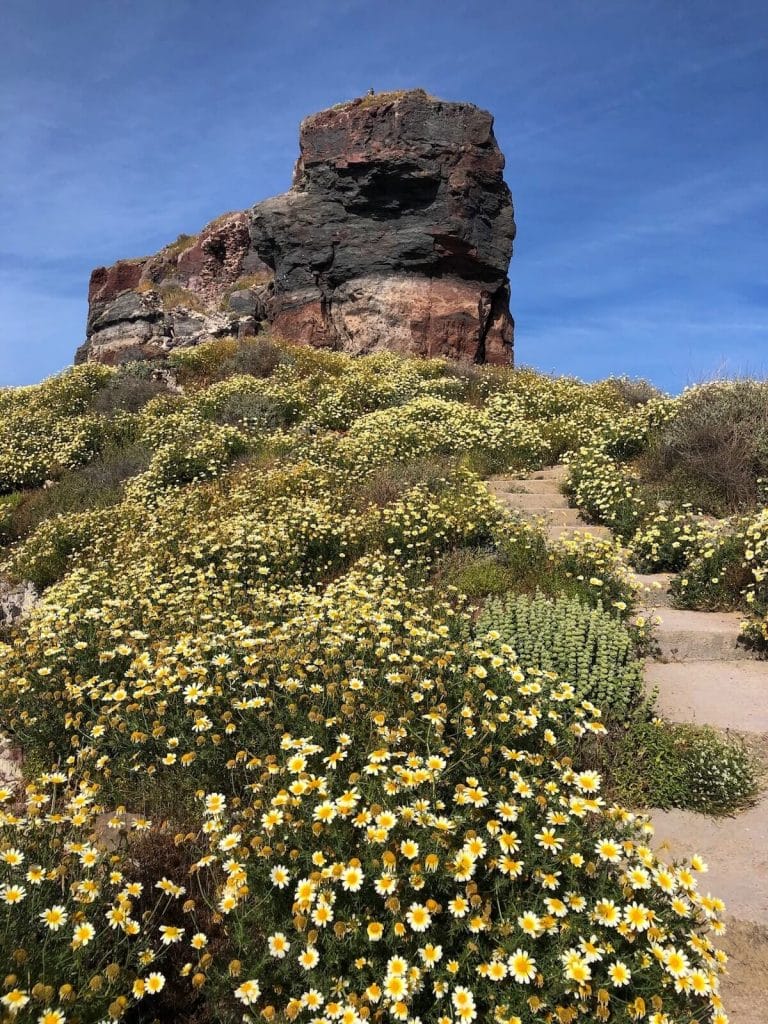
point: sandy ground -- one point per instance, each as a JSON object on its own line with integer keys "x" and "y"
{"x": 745, "y": 987}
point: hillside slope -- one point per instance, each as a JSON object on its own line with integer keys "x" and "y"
{"x": 277, "y": 760}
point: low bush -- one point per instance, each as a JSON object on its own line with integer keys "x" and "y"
{"x": 587, "y": 647}
{"x": 225, "y": 357}
{"x": 648, "y": 762}
{"x": 716, "y": 575}
{"x": 189, "y": 460}
{"x": 173, "y": 295}
{"x": 592, "y": 568}
{"x": 247, "y": 402}
{"x": 9, "y": 504}
{"x": 713, "y": 452}
{"x": 633, "y": 391}
{"x": 520, "y": 562}
{"x": 127, "y": 391}
{"x": 666, "y": 540}
{"x": 46, "y": 555}
{"x": 96, "y": 485}
{"x": 477, "y": 573}
{"x": 257, "y": 357}
{"x": 388, "y": 482}
{"x": 606, "y": 491}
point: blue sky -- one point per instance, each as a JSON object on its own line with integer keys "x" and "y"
{"x": 636, "y": 137}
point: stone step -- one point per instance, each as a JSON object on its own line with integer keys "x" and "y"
{"x": 725, "y": 694}
{"x": 736, "y": 852}
{"x": 533, "y": 486}
{"x": 549, "y": 473}
{"x": 654, "y": 589}
{"x": 566, "y": 517}
{"x": 699, "y": 636}
{"x": 534, "y": 501}
{"x": 564, "y": 532}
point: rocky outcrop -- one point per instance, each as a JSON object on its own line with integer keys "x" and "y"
{"x": 16, "y": 601}
{"x": 396, "y": 234}
{"x": 200, "y": 286}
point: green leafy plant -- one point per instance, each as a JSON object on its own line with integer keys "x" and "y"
{"x": 587, "y": 647}
{"x": 648, "y": 762}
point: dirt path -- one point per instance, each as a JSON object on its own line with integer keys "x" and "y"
{"x": 702, "y": 675}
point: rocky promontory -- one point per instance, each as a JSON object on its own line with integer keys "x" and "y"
{"x": 396, "y": 234}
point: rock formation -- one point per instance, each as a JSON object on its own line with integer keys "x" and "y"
{"x": 395, "y": 234}
{"x": 198, "y": 287}
{"x": 16, "y": 601}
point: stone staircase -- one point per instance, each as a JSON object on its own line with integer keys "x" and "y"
{"x": 539, "y": 497}
{"x": 704, "y": 676}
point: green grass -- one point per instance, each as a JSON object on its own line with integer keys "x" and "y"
{"x": 182, "y": 243}
{"x": 172, "y": 295}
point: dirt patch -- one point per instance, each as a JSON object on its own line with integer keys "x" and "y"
{"x": 743, "y": 988}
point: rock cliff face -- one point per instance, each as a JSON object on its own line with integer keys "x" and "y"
{"x": 198, "y": 287}
{"x": 396, "y": 234}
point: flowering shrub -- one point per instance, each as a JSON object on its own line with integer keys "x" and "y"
{"x": 729, "y": 570}
{"x": 667, "y": 540}
{"x": 605, "y": 490}
{"x": 188, "y": 461}
{"x": 598, "y": 566}
{"x": 46, "y": 428}
{"x": 435, "y": 426}
{"x": 8, "y": 505}
{"x": 715, "y": 575}
{"x": 360, "y": 809}
{"x": 351, "y": 860}
{"x": 54, "y": 546}
{"x": 720, "y": 774}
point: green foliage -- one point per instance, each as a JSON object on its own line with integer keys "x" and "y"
{"x": 587, "y": 647}
{"x": 173, "y": 295}
{"x": 521, "y": 562}
{"x": 250, "y": 403}
{"x": 182, "y": 243}
{"x": 594, "y": 568}
{"x": 226, "y": 357}
{"x": 47, "y": 555}
{"x": 634, "y": 391}
{"x": 478, "y": 573}
{"x": 200, "y": 455}
{"x": 127, "y": 391}
{"x": 666, "y": 540}
{"x": 47, "y": 428}
{"x": 717, "y": 576}
{"x": 652, "y": 763}
{"x": 9, "y": 504}
{"x": 714, "y": 450}
{"x": 96, "y": 485}
{"x": 390, "y": 481}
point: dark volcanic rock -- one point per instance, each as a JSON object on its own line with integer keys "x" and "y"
{"x": 396, "y": 234}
